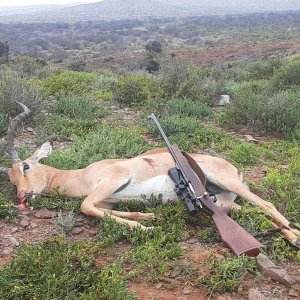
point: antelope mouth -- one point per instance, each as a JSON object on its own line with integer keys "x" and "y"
{"x": 23, "y": 198}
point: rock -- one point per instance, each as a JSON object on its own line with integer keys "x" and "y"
{"x": 24, "y": 223}
{"x": 186, "y": 290}
{"x": 269, "y": 269}
{"x": 14, "y": 230}
{"x": 7, "y": 251}
{"x": 256, "y": 295}
{"x": 297, "y": 278}
{"x": 193, "y": 240}
{"x": 30, "y": 129}
{"x": 33, "y": 225}
{"x": 92, "y": 232}
{"x": 223, "y": 100}
{"x": 13, "y": 241}
{"x": 219, "y": 256}
{"x": 158, "y": 285}
{"x": 44, "y": 213}
{"x": 76, "y": 230}
{"x": 294, "y": 293}
{"x": 175, "y": 273}
{"x": 250, "y": 138}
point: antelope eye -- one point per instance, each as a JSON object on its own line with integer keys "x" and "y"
{"x": 25, "y": 167}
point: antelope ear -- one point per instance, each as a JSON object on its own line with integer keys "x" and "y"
{"x": 44, "y": 151}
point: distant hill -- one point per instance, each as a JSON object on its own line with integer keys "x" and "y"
{"x": 125, "y": 9}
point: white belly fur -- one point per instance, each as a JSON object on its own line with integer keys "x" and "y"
{"x": 162, "y": 184}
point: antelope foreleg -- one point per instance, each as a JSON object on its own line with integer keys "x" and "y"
{"x": 130, "y": 215}
{"x": 90, "y": 210}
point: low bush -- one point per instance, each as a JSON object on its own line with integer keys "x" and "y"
{"x": 37, "y": 273}
{"x": 106, "y": 143}
{"x": 288, "y": 76}
{"x": 244, "y": 154}
{"x": 255, "y": 107}
{"x": 181, "y": 80}
{"x": 63, "y": 128}
{"x": 133, "y": 90}
{"x": 188, "y": 108}
{"x": 79, "y": 107}
{"x": 14, "y": 88}
{"x": 227, "y": 273}
{"x": 3, "y": 123}
{"x": 175, "y": 125}
{"x": 68, "y": 82}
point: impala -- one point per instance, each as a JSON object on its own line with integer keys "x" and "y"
{"x": 107, "y": 182}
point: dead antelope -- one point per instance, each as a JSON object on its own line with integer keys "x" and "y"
{"x": 107, "y": 182}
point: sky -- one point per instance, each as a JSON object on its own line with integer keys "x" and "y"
{"x": 36, "y": 2}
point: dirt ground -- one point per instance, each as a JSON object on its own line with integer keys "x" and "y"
{"x": 202, "y": 56}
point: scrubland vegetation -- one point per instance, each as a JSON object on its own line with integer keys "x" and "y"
{"x": 79, "y": 108}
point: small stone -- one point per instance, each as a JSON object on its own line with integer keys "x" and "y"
{"x": 219, "y": 256}
{"x": 30, "y": 129}
{"x": 294, "y": 293}
{"x": 33, "y": 225}
{"x": 6, "y": 251}
{"x": 193, "y": 240}
{"x": 158, "y": 285}
{"x": 13, "y": 241}
{"x": 14, "y": 230}
{"x": 296, "y": 277}
{"x": 44, "y": 213}
{"x": 256, "y": 295}
{"x": 24, "y": 223}
{"x": 92, "y": 232}
{"x": 269, "y": 269}
{"x": 175, "y": 273}
{"x": 186, "y": 290}
{"x": 250, "y": 138}
{"x": 76, "y": 230}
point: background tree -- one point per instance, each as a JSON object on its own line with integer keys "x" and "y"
{"x": 4, "y": 51}
{"x": 154, "y": 48}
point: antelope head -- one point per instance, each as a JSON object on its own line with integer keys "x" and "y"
{"x": 26, "y": 175}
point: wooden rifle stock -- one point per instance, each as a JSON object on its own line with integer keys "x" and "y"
{"x": 236, "y": 238}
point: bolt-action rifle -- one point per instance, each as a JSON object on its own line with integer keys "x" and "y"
{"x": 189, "y": 181}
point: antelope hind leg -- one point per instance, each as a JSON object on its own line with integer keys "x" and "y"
{"x": 279, "y": 221}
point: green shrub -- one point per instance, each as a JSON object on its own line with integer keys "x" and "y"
{"x": 285, "y": 185}
{"x": 107, "y": 142}
{"x": 244, "y": 154}
{"x": 188, "y": 108}
{"x": 287, "y": 76}
{"x": 7, "y": 210}
{"x": 254, "y": 106}
{"x": 79, "y": 107}
{"x": 181, "y": 80}
{"x": 227, "y": 273}
{"x": 175, "y": 124}
{"x": 68, "y": 82}
{"x": 264, "y": 69}
{"x": 14, "y": 87}
{"x": 66, "y": 129}
{"x": 133, "y": 90}
{"x": 3, "y": 123}
{"x": 37, "y": 273}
